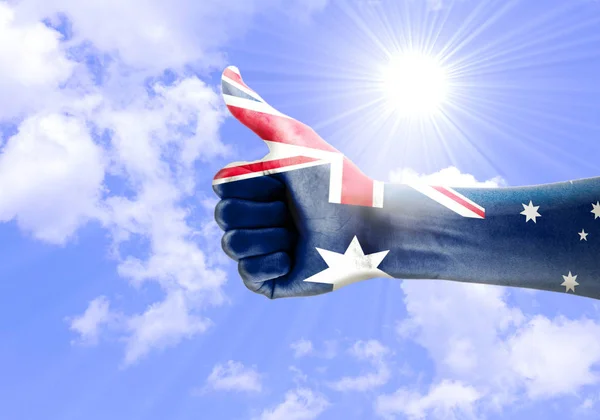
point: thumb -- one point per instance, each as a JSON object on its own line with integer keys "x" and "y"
{"x": 348, "y": 185}
{"x": 264, "y": 120}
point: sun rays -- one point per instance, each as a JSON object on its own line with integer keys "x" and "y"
{"x": 414, "y": 83}
{"x": 428, "y": 88}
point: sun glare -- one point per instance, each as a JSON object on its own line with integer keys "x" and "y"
{"x": 414, "y": 84}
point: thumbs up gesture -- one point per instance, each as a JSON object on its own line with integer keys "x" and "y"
{"x": 304, "y": 220}
{"x": 291, "y": 219}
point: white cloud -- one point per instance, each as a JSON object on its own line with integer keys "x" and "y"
{"x": 299, "y": 376}
{"x": 302, "y": 348}
{"x": 587, "y": 404}
{"x": 298, "y": 404}
{"x": 51, "y": 175}
{"x": 588, "y": 407}
{"x": 179, "y": 122}
{"x": 154, "y": 34}
{"x": 374, "y": 353}
{"x": 145, "y": 34}
{"x": 154, "y": 146}
{"x": 492, "y": 348}
{"x": 155, "y": 150}
{"x": 371, "y": 350}
{"x": 446, "y": 400}
{"x": 32, "y": 64}
{"x": 53, "y": 172}
{"x": 556, "y": 357}
{"x": 88, "y": 325}
{"x": 467, "y": 344}
{"x": 234, "y": 376}
{"x": 450, "y": 176}
{"x": 163, "y": 324}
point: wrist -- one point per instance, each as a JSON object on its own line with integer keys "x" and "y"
{"x": 420, "y": 232}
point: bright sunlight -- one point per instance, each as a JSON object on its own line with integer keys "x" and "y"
{"x": 414, "y": 84}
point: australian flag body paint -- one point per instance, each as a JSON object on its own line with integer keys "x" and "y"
{"x": 343, "y": 227}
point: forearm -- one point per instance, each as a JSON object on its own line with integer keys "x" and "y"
{"x": 428, "y": 240}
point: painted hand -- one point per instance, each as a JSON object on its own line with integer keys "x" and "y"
{"x": 291, "y": 219}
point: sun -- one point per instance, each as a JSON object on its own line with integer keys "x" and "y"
{"x": 414, "y": 84}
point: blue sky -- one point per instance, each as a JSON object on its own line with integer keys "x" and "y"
{"x": 116, "y": 300}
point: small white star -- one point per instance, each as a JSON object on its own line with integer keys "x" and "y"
{"x": 596, "y": 209}
{"x": 530, "y": 212}
{"x": 583, "y": 235}
{"x": 570, "y": 282}
{"x": 349, "y": 267}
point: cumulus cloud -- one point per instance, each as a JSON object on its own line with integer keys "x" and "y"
{"x": 298, "y": 404}
{"x": 163, "y": 323}
{"x": 79, "y": 139}
{"x": 468, "y": 346}
{"x": 447, "y": 400}
{"x": 495, "y": 348}
{"x": 556, "y": 356}
{"x": 234, "y": 376}
{"x": 298, "y": 375}
{"x": 51, "y": 176}
{"x": 450, "y": 177}
{"x": 373, "y": 352}
{"x": 589, "y": 406}
{"x": 155, "y": 35}
{"x": 155, "y": 144}
{"x": 146, "y": 34}
{"x": 327, "y": 350}
{"x": 152, "y": 147}
{"x": 302, "y": 348}
{"x": 33, "y": 64}
{"x": 96, "y": 316}
{"x": 490, "y": 352}
{"x": 466, "y": 343}
{"x": 83, "y": 128}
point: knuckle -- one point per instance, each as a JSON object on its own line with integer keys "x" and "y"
{"x": 262, "y": 288}
{"x": 229, "y": 245}
{"x": 225, "y": 213}
{"x": 225, "y": 248}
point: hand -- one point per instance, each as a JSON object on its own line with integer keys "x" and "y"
{"x": 289, "y": 212}
{"x": 304, "y": 220}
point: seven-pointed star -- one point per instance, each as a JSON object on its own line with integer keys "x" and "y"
{"x": 349, "y": 267}
{"x": 596, "y": 209}
{"x": 530, "y": 212}
{"x": 570, "y": 282}
{"x": 583, "y": 235}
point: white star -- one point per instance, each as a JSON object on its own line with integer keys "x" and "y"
{"x": 596, "y": 209}
{"x": 349, "y": 267}
{"x": 570, "y": 282}
{"x": 530, "y": 212}
{"x": 583, "y": 235}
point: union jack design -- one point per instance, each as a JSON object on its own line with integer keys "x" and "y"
{"x": 293, "y": 145}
